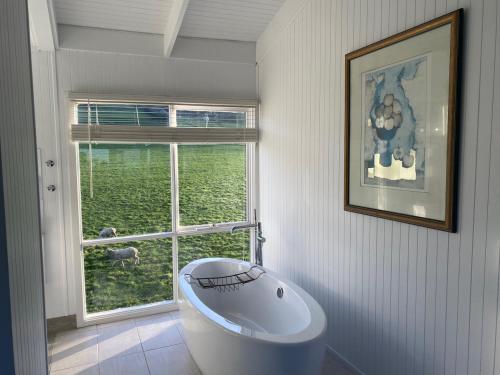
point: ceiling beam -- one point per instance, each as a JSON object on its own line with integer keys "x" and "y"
{"x": 174, "y": 22}
{"x": 43, "y": 26}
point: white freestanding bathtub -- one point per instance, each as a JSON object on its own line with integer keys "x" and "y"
{"x": 250, "y": 330}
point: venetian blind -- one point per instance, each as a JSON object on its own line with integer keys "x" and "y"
{"x": 158, "y": 121}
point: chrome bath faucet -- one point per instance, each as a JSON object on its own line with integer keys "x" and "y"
{"x": 259, "y": 239}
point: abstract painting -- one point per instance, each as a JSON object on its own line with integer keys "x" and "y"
{"x": 396, "y": 118}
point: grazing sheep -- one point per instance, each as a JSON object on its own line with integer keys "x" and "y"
{"x": 107, "y": 232}
{"x": 119, "y": 255}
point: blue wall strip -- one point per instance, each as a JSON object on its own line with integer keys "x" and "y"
{"x": 6, "y": 350}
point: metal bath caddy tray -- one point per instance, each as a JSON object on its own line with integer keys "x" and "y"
{"x": 226, "y": 283}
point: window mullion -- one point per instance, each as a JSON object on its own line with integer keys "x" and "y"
{"x": 174, "y": 186}
{"x": 250, "y": 186}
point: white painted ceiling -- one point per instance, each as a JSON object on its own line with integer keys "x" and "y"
{"x": 147, "y": 16}
{"x": 228, "y": 19}
{"x": 241, "y": 20}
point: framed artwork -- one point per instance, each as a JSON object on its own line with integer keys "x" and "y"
{"x": 401, "y": 125}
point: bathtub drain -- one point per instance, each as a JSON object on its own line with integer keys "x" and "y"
{"x": 279, "y": 292}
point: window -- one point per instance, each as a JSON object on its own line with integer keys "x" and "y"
{"x": 224, "y": 245}
{"x": 125, "y": 186}
{"x": 210, "y": 118}
{"x": 212, "y": 184}
{"x": 123, "y": 114}
{"x": 171, "y": 180}
{"x": 109, "y": 285}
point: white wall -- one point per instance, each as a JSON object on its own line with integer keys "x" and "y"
{"x": 64, "y": 71}
{"x": 22, "y": 216}
{"x": 133, "y": 43}
{"x": 98, "y": 39}
{"x": 400, "y": 299}
{"x": 52, "y": 214}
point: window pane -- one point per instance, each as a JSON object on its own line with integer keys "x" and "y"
{"x": 212, "y": 184}
{"x": 225, "y": 245}
{"x": 126, "y": 187}
{"x": 110, "y": 285}
{"x": 124, "y": 114}
{"x": 211, "y": 119}
{"x": 153, "y": 115}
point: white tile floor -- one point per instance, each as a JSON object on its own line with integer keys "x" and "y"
{"x": 144, "y": 346}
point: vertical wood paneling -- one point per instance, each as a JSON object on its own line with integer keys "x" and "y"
{"x": 20, "y": 195}
{"x": 399, "y": 299}
{"x": 482, "y": 184}
{"x": 490, "y": 340}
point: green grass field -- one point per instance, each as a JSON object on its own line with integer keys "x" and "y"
{"x": 131, "y": 192}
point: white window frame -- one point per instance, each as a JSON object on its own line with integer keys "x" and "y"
{"x": 84, "y": 318}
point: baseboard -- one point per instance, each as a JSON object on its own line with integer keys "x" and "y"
{"x": 62, "y": 323}
{"x": 339, "y": 357}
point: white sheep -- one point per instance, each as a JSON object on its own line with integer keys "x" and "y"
{"x": 107, "y": 232}
{"x": 119, "y": 255}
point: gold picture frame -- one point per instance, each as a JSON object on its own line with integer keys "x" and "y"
{"x": 400, "y": 156}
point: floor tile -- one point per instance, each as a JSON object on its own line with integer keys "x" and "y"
{"x": 174, "y": 314}
{"x": 176, "y": 317}
{"x": 132, "y": 364}
{"x": 74, "y": 348}
{"x": 115, "y": 325}
{"x": 158, "y": 332}
{"x": 180, "y": 328}
{"x": 118, "y": 339}
{"x": 176, "y": 359}
{"x": 150, "y": 319}
{"x": 51, "y": 338}
{"x": 50, "y": 346}
{"x": 80, "y": 370}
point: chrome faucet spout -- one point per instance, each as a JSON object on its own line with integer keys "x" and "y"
{"x": 259, "y": 239}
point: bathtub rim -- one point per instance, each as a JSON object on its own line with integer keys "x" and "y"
{"x": 313, "y": 331}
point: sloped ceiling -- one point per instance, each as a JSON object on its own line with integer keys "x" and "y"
{"x": 228, "y": 19}
{"x": 242, "y": 20}
{"x": 147, "y": 16}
